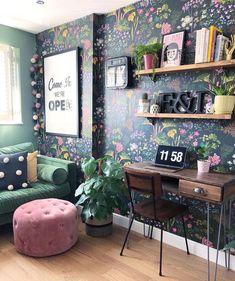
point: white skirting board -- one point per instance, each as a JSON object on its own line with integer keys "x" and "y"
{"x": 195, "y": 248}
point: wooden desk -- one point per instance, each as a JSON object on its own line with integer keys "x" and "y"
{"x": 209, "y": 187}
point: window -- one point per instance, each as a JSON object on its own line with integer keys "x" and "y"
{"x": 10, "y": 100}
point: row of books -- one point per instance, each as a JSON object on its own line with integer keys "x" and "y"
{"x": 210, "y": 45}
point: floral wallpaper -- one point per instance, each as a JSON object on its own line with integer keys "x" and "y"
{"x": 108, "y": 121}
{"x": 78, "y": 33}
{"x": 131, "y": 139}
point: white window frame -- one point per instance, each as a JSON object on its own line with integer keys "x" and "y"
{"x": 10, "y": 94}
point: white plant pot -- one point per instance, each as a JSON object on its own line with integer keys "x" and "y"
{"x": 203, "y": 166}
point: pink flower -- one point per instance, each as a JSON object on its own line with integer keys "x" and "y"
{"x": 190, "y": 137}
{"x": 166, "y": 28}
{"x": 190, "y": 217}
{"x": 182, "y": 131}
{"x": 215, "y": 159}
{"x": 174, "y": 229}
{"x": 196, "y": 134}
{"x": 207, "y": 242}
{"x": 87, "y": 44}
{"x": 189, "y": 225}
{"x": 119, "y": 147}
{"x": 150, "y": 19}
{"x": 188, "y": 43}
{"x": 195, "y": 143}
{"x": 151, "y": 9}
{"x": 60, "y": 141}
{"x": 140, "y": 11}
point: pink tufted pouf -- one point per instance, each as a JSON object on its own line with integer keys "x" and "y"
{"x": 45, "y": 227}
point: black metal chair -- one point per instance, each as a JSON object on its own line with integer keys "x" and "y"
{"x": 153, "y": 209}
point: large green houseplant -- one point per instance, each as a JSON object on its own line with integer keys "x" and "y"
{"x": 140, "y": 51}
{"x": 102, "y": 192}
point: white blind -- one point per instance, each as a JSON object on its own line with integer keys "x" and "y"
{"x": 10, "y": 100}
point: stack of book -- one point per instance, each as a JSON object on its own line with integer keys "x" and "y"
{"x": 210, "y": 45}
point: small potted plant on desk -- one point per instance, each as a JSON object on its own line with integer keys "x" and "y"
{"x": 150, "y": 53}
{"x": 102, "y": 192}
{"x": 203, "y": 151}
{"x": 224, "y": 92}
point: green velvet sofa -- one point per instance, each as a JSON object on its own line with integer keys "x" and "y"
{"x": 10, "y": 200}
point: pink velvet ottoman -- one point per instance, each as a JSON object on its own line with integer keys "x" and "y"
{"x": 45, "y": 227}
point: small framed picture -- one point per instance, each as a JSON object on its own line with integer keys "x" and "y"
{"x": 173, "y": 44}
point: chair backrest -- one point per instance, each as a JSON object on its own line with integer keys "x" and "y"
{"x": 146, "y": 183}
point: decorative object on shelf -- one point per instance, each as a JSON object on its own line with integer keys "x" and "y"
{"x": 203, "y": 151}
{"x": 150, "y": 53}
{"x": 61, "y": 93}
{"x": 185, "y": 102}
{"x": 173, "y": 44}
{"x": 117, "y": 72}
{"x": 155, "y": 108}
{"x": 36, "y": 83}
{"x": 229, "y": 47}
{"x": 143, "y": 106}
{"x": 101, "y": 193}
{"x": 224, "y": 91}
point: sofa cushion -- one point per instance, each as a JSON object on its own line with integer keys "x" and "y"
{"x": 52, "y": 174}
{"x": 32, "y": 166}
{"x": 13, "y": 171}
{"x": 9, "y": 201}
{"x": 26, "y": 146}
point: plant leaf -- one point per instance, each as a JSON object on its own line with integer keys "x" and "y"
{"x": 89, "y": 166}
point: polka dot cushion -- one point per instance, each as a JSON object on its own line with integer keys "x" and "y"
{"x": 13, "y": 171}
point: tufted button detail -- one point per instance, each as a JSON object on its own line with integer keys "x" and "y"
{"x": 2, "y": 175}
{"x": 24, "y": 184}
{"x": 6, "y": 160}
{"x": 29, "y": 212}
{"x": 62, "y": 210}
{"x": 10, "y": 187}
{"x": 18, "y": 172}
{"x": 46, "y": 212}
{"x": 21, "y": 158}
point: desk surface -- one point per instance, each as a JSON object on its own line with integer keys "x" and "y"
{"x": 211, "y": 187}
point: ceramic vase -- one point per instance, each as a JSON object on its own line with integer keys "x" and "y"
{"x": 203, "y": 166}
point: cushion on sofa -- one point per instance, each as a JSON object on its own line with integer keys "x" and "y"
{"x": 52, "y": 174}
{"x": 32, "y": 166}
{"x": 21, "y": 147}
{"x": 13, "y": 171}
{"x": 11, "y": 200}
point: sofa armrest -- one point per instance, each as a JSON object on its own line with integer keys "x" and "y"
{"x": 69, "y": 166}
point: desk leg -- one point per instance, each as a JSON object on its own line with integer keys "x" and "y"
{"x": 208, "y": 239}
{"x": 218, "y": 239}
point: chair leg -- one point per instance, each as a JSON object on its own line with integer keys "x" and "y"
{"x": 185, "y": 235}
{"x": 127, "y": 234}
{"x": 151, "y": 233}
{"x": 160, "y": 269}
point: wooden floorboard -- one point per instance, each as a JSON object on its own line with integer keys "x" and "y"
{"x": 98, "y": 259}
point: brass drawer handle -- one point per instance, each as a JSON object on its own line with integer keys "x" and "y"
{"x": 199, "y": 190}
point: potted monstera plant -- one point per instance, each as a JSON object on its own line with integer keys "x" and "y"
{"x": 102, "y": 192}
{"x": 148, "y": 53}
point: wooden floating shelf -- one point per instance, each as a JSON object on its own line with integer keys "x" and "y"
{"x": 180, "y": 68}
{"x": 185, "y": 116}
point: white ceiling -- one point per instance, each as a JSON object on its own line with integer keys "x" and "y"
{"x": 29, "y": 16}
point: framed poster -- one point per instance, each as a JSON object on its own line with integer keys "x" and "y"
{"x": 61, "y": 93}
{"x": 173, "y": 44}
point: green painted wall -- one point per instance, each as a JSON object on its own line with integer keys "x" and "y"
{"x": 12, "y": 134}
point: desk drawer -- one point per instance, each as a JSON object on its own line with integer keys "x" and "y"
{"x": 201, "y": 191}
